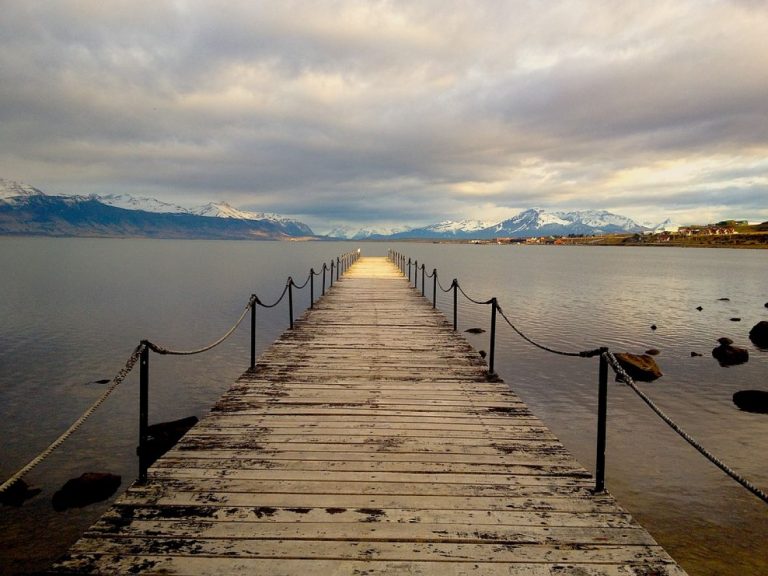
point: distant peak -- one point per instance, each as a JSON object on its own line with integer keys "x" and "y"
{"x": 11, "y": 189}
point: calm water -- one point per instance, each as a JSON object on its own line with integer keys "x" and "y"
{"x": 71, "y": 310}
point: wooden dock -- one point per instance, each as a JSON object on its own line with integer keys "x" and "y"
{"x": 368, "y": 441}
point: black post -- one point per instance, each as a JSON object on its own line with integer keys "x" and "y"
{"x": 434, "y": 287}
{"x": 602, "y": 413}
{"x": 422, "y": 279}
{"x": 324, "y": 269}
{"x": 455, "y": 286}
{"x": 492, "y": 351}
{"x": 337, "y": 267}
{"x": 143, "y": 412}
{"x": 331, "y": 271}
{"x": 290, "y": 300}
{"x": 311, "y": 287}
{"x": 253, "y": 331}
{"x": 416, "y": 274}
{"x": 409, "y": 270}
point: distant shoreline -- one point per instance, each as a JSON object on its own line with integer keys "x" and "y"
{"x": 740, "y": 241}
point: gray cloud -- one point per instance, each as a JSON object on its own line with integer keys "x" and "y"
{"x": 391, "y": 111}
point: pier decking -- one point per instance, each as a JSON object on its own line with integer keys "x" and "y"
{"x": 368, "y": 441}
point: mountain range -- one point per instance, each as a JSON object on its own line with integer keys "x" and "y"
{"x": 26, "y": 210}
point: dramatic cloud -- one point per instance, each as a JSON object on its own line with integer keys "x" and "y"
{"x": 393, "y": 112}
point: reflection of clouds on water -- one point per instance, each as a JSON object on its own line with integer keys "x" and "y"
{"x": 108, "y": 294}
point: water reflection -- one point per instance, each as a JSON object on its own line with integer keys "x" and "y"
{"x": 73, "y": 309}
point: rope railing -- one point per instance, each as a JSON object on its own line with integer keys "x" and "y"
{"x": 629, "y": 381}
{"x": 115, "y": 382}
{"x": 606, "y": 359}
{"x": 141, "y": 355}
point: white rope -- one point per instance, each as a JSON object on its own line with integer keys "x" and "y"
{"x": 79, "y": 422}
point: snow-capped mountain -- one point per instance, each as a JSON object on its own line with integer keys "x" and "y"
{"x": 538, "y": 222}
{"x": 10, "y": 189}
{"x": 354, "y": 233}
{"x": 212, "y": 210}
{"x": 453, "y": 227}
{"x": 27, "y": 210}
{"x": 445, "y": 229}
{"x": 224, "y": 210}
{"x": 144, "y": 203}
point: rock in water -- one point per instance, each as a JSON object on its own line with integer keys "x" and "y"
{"x": 474, "y": 330}
{"x": 694, "y": 354}
{"x": 728, "y": 354}
{"x": 89, "y": 488}
{"x": 699, "y": 308}
{"x": 759, "y": 334}
{"x": 752, "y": 400}
{"x": 639, "y": 366}
{"x": 18, "y": 493}
{"x": 653, "y": 352}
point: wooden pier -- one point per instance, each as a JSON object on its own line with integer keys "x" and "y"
{"x": 367, "y": 441}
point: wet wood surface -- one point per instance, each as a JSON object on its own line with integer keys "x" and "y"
{"x": 368, "y": 440}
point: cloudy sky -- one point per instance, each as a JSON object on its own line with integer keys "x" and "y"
{"x": 392, "y": 113}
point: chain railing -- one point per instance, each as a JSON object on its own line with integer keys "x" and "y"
{"x": 606, "y": 359}
{"x": 140, "y": 355}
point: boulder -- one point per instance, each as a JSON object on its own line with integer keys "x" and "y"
{"x": 18, "y": 493}
{"x": 89, "y": 488}
{"x": 639, "y": 366}
{"x": 735, "y": 319}
{"x": 694, "y": 354}
{"x": 699, "y": 308}
{"x": 752, "y": 400}
{"x": 728, "y": 354}
{"x": 474, "y": 330}
{"x": 653, "y": 352}
{"x": 759, "y": 334}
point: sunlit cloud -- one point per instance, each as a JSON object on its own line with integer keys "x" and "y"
{"x": 413, "y": 112}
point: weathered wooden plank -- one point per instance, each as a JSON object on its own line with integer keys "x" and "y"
{"x": 230, "y": 562}
{"x": 123, "y": 513}
{"x": 370, "y": 527}
{"x": 174, "y": 496}
{"x": 368, "y": 440}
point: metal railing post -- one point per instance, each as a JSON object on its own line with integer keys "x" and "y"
{"x": 324, "y": 269}
{"x": 409, "y": 270}
{"x": 455, "y": 286}
{"x": 602, "y": 413}
{"x": 416, "y": 274}
{"x": 290, "y": 300}
{"x": 253, "y": 331}
{"x": 143, "y": 412}
{"x": 422, "y": 279}
{"x": 491, "y": 353}
{"x": 434, "y": 288}
{"x": 337, "y": 267}
{"x": 311, "y": 287}
{"x": 331, "y": 271}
